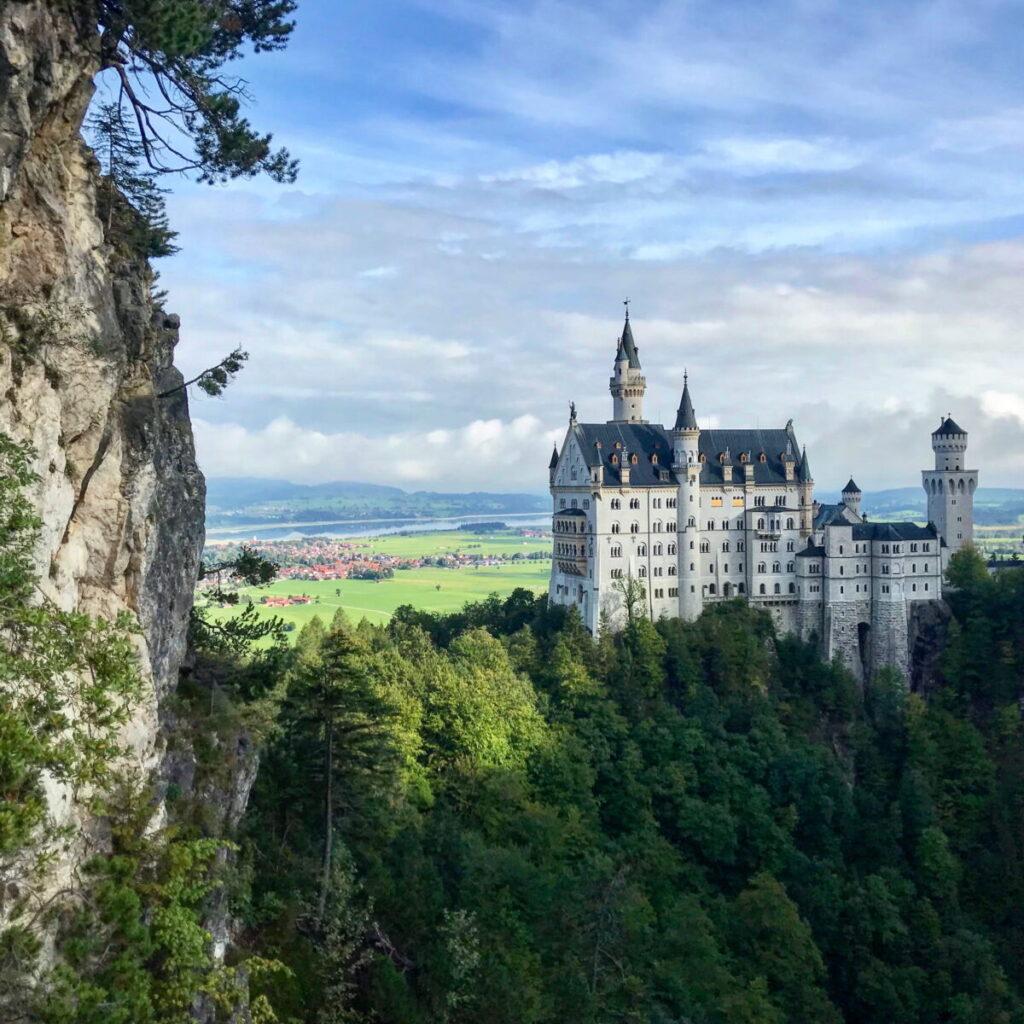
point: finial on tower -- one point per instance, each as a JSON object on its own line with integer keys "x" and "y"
{"x": 625, "y": 302}
{"x": 572, "y": 412}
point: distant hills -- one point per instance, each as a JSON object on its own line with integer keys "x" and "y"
{"x": 259, "y": 501}
{"x": 993, "y": 506}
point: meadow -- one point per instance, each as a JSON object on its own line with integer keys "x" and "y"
{"x": 428, "y": 588}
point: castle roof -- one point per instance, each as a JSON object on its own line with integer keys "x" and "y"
{"x": 650, "y": 440}
{"x": 811, "y": 551}
{"x": 833, "y": 515}
{"x": 851, "y": 488}
{"x": 627, "y": 347}
{"x": 805, "y": 466}
{"x": 894, "y": 531}
{"x": 948, "y": 426}
{"x": 686, "y": 419}
{"x": 554, "y": 458}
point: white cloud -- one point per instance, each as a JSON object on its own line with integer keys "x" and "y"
{"x": 480, "y": 455}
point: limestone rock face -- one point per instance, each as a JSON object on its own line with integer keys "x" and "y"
{"x": 84, "y": 353}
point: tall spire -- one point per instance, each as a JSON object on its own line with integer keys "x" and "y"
{"x": 627, "y": 347}
{"x": 554, "y": 458}
{"x": 686, "y": 419}
{"x": 805, "y": 466}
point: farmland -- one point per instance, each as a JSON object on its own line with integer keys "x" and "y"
{"x": 428, "y": 587}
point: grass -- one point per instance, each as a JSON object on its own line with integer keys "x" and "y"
{"x": 429, "y": 588}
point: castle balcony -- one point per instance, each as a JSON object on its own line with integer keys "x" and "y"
{"x": 572, "y": 566}
{"x": 768, "y": 534}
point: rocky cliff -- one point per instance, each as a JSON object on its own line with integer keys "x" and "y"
{"x": 84, "y": 354}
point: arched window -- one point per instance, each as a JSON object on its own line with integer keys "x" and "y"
{"x": 776, "y": 567}
{"x": 761, "y": 567}
{"x": 616, "y": 503}
{"x": 789, "y": 523}
{"x": 792, "y": 588}
{"x": 762, "y": 457}
{"x": 641, "y": 550}
{"x": 711, "y": 588}
{"x": 671, "y": 549}
{"x": 573, "y": 503}
{"x": 634, "y": 502}
{"x": 615, "y": 459}
{"x": 654, "y": 459}
{"x": 762, "y": 589}
{"x": 642, "y": 572}
{"x": 616, "y": 552}
{"x": 760, "y": 524}
{"x": 778, "y": 589}
{"x": 790, "y": 546}
{"x": 703, "y": 457}
{"x": 615, "y": 527}
{"x": 633, "y": 458}
{"x": 791, "y": 567}
{"x": 705, "y": 547}
{"x": 741, "y": 588}
{"x": 634, "y": 527}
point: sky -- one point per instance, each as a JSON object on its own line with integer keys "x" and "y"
{"x": 816, "y": 209}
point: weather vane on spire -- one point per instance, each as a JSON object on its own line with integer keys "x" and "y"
{"x": 625, "y": 302}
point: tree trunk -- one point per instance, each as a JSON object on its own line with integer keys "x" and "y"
{"x": 325, "y": 881}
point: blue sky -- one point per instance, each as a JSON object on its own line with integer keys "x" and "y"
{"x": 815, "y": 207}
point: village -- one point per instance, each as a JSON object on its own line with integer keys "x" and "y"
{"x": 376, "y": 559}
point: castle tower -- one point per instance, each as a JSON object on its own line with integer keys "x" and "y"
{"x": 686, "y": 466}
{"x": 806, "y": 490}
{"x": 627, "y": 383}
{"x": 851, "y": 497}
{"x": 950, "y": 487}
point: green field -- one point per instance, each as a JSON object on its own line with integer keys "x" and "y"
{"x": 431, "y": 589}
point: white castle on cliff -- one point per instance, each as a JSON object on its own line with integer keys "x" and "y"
{"x": 699, "y": 516}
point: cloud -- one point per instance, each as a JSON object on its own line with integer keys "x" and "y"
{"x": 480, "y": 455}
{"x": 817, "y": 211}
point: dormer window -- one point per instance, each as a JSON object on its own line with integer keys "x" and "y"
{"x": 721, "y": 458}
{"x": 762, "y": 457}
{"x": 744, "y": 457}
{"x": 615, "y": 460}
{"x": 633, "y": 459}
{"x": 618, "y": 444}
{"x": 703, "y": 457}
{"x": 654, "y": 459}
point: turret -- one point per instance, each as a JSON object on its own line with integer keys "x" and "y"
{"x": 950, "y": 486}
{"x": 627, "y": 383}
{"x": 851, "y": 497}
{"x": 687, "y": 466}
{"x": 552, "y": 466}
{"x": 806, "y": 489}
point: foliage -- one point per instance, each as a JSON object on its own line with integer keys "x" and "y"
{"x": 684, "y": 822}
{"x": 133, "y": 949}
{"x": 214, "y": 379}
{"x": 169, "y": 59}
{"x": 131, "y": 204}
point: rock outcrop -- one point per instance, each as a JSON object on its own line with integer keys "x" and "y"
{"x": 84, "y": 354}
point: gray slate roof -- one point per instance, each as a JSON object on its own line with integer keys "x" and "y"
{"x": 686, "y": 419}
{"x": 851, "y": 488}
{"x": 948, "y": 426}
{"x": 833, "y": 515}
{"x": 894, "y": 531}
{"x": 648, "y": 439}
{"x": 628, "y": 347}
{"x": 812, "y": 551}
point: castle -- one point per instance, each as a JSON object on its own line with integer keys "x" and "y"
{"x": 698, "y": 516}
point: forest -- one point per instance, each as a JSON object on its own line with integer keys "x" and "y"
{"x": 491, "y": 817}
